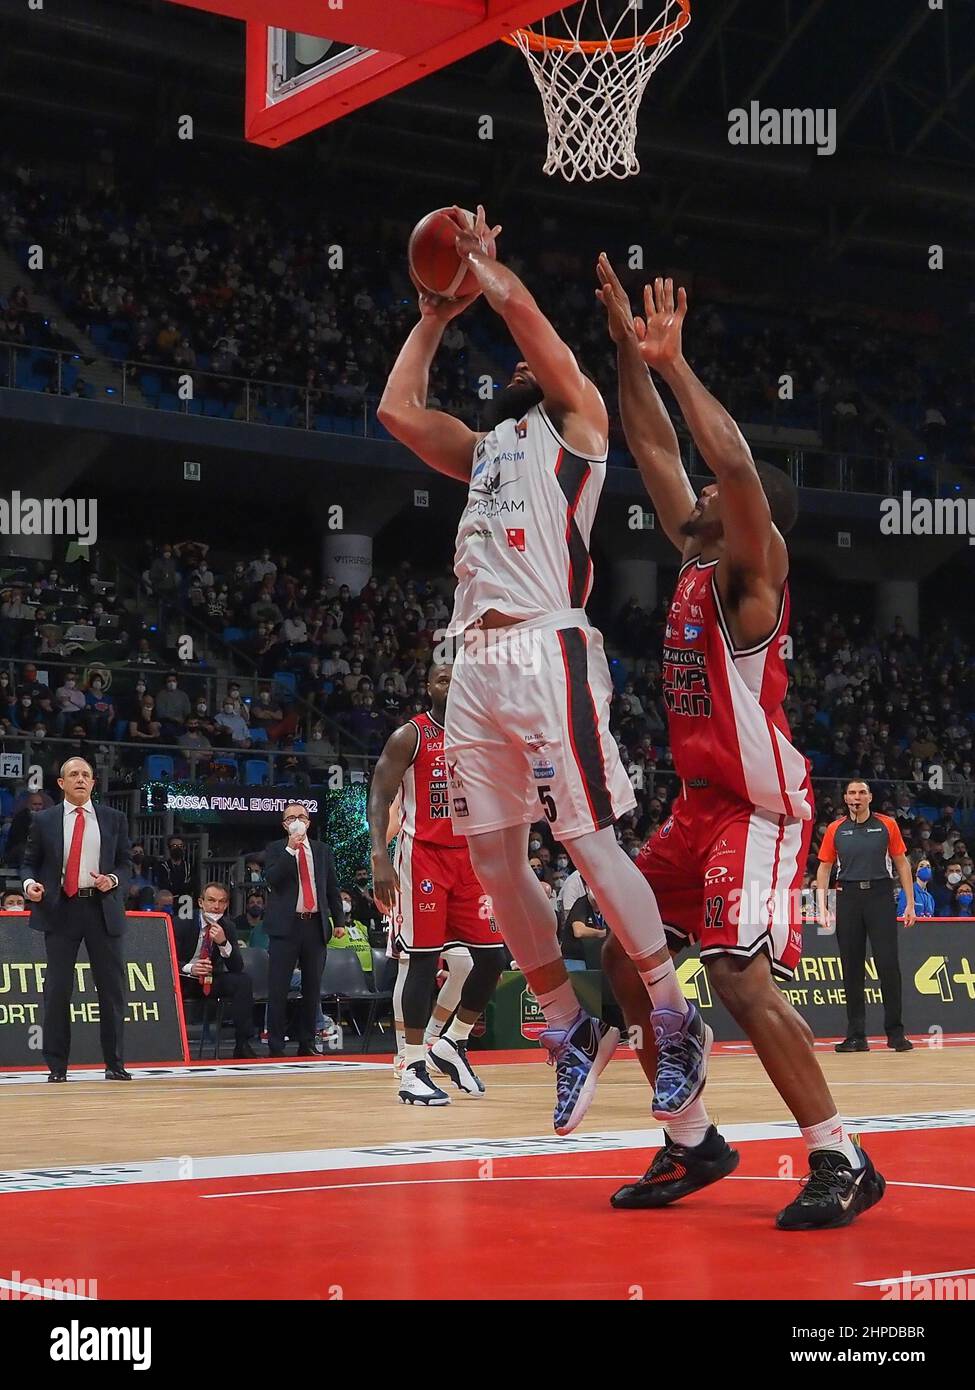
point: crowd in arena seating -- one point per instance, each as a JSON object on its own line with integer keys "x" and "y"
{"x": 337, "y": 672}
{"x": 226, "y": 286}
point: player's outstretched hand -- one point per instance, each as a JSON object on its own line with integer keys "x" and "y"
{"x": 480, "y": 237}
{"x": 660, "y": 333}
{"x": 614, "y": 299}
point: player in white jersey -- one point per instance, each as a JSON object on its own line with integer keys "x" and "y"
{"x": 528, "y": 721}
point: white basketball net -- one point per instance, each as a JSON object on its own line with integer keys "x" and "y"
{"x": 591, "y": 94}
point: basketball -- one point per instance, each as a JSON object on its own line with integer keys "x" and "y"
{"x": 433, "y": 255}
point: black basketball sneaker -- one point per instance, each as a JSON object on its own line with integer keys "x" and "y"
{"x": 833, "y": 1193}
{"x": 676, "y": 1171}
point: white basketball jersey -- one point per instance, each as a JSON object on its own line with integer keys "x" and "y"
{"x": 523, "y": 541}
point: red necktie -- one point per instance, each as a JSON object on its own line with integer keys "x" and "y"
{"x": 74, "y": 854}
{"x": 307, "y": 896}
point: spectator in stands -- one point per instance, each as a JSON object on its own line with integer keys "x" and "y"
{"x": 923, "y": 901}
{"x": 146, "y": 728}
{"x": 99, "y": 708}
{"x": 141, "y": 867}
{"x": 232, "y": 725}
{"x": 267, "y": 712}
{"x": 13, "y": 901}
{"x": 20, "y": 828}
{"x": 217, "y": 959}
{"x": 143, "y": 654}
{"x": 240, "y": 705}
{"x": 584, "y": 932}
{"x": 194, "y": 739}
{"x": 250, "y": 923}
{"x": 943, "y": 885}
{"x": 14, "y": 606}
{"x": 8, "y": 696}
{"x": 69, "y": 701}
{"x": 202, "y": 712}
{"x": 39, "y": 693}
{"x": 963, "y": 900}
{"x": 174, "y": 872}
{"x": 163, "y": 575}
{"x": 172, "y": 708}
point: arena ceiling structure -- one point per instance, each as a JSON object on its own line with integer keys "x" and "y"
{"x": 900, "y": 77}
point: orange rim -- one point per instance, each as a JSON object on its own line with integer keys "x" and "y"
{"x": 540, "y": 42}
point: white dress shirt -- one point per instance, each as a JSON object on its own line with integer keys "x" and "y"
{"x": 91, "y": 846}
{"x": 305, "y": 849}
{"x": 226, "y": 950}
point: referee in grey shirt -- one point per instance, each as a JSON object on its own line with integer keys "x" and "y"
{"x": 866, "y": 848}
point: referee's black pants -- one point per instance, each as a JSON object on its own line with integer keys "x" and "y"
{"x": 862, "y": 914}
{"x": 82, "y": 920}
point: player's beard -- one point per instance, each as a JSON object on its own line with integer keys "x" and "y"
{"x": 697, "y": 526}
{"x": 513, "y": 402}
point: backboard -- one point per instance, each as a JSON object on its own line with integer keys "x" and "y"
{"x": 310, "y": 62}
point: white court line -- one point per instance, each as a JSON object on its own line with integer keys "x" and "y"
{"x": 182, "y": 1073}
{"x": 540, "y": 1177}
{"x": 209, "y": 1167}
{"x": 911, "y": 1278}
{"x": 34, "y": 1292}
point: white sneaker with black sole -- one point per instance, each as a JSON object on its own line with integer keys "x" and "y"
{"x": 416, "y": 1088}
{"x": 451, "y": 1058}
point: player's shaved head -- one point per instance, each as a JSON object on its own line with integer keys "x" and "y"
{"x": 781, "y": 494}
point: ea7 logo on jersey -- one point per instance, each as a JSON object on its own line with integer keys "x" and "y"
{"x": 521, "y": 429}
{"x": 427, "y": 907}
{"x": 516, "y": 538}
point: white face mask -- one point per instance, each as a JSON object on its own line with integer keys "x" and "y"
{"x": 212, "y": 917}
{"x": 954, "y": 878}
{"x": 296, "y": 827}
{"x": 346, "y": 905}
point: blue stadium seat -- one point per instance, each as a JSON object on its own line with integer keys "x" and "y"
{"x": 285, "y": 683}
{"x": 234, "y": 634}
{"x": 255, "y": 772}
{"x": 258, "y": 734}
{"x": 159, "y": 766}
{"x": 121, "y": 730}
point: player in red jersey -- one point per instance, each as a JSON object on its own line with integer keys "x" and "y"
{"x": 727, "y": 867}
{"x": 432, "y": 896}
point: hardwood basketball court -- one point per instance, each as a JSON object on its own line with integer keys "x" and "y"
{"x": 244, "y": 1161}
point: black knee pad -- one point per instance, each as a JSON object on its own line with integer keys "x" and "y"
{"x": 418, "y": 987}
{"x": 482, "y": 981}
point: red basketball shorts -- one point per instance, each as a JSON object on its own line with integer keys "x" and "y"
{"x": 440, "y": 901}
{"x": 729, "y": 875}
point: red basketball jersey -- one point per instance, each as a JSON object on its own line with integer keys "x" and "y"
{"x": 425, "y": 790}
{"x": 724, "y": 704}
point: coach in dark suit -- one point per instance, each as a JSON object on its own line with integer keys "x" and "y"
{"x": 76, "y": 876}
{"x": 302, "y": 889}
{"x": 207, "y": 948}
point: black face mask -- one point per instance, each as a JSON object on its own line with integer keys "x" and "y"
{"x": 513, "y": 402}
{"x": 176, "y": 853}
{"x": 137, "y": 857}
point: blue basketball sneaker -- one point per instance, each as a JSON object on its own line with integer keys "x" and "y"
{"x": 578, "y": 1053}
{"x": 683, "y": 1045}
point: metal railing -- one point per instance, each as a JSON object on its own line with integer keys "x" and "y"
{"x": 844, "y": 465}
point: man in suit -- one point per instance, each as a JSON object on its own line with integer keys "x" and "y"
{"x": 207, "y": 948}
{"x": 303, "y": 888}
{"x": 76, "y": 876}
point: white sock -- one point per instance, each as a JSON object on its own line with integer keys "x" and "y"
{"x": 690, "y": 1126}
{"x": 560, "y": 1006}
{"x": 415, "y": 1052}
{"x": 400, "y": 1036}
{"x": 459, "y": 1032}
{"x": 663, "y": 986}
{"x": 831, "y": 1134}
{"x": 432, "y": 1030}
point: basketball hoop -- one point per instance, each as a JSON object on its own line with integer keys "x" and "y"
{"x": 592, "y": 77}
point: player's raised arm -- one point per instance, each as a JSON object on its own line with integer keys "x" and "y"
{"x": 650, "y": 435}
{"x": 551, "y": 361}
{"x": 440, "y": 440}
{"x": 384, "y": 788}
{"x": 752, "y": 544}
